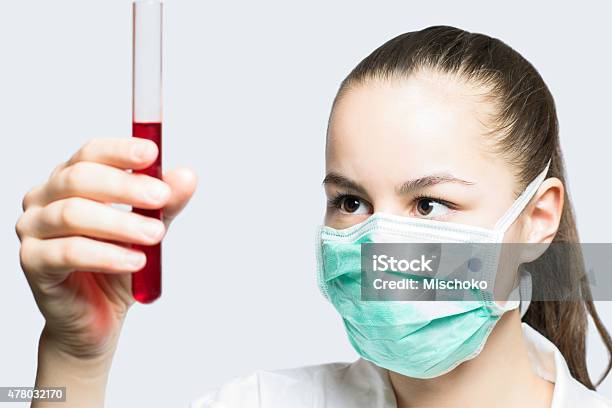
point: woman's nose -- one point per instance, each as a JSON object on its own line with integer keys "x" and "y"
{"x": 390, "y": 205}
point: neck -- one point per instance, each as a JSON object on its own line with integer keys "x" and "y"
{"x": 500, "y": 376}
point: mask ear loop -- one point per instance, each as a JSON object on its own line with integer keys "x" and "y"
{"x": 320, "y": 266}
{"x": 520, "y": 297}
{"x": 524, "y": 292}
{"x": 524, "y": 289}
{"x": 519, "y": 205}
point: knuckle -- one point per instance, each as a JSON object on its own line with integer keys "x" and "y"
{"x": 20, "y": 227}
{"x": 74, "y": 174}
{"x": 89, "y": 148}
{"x": 57, "y": 169}
{"x": 69, "y": 211}
{"x": 70, "y": 252}
{"x": 25, "y": 255}
{"x": 27, "y": 199}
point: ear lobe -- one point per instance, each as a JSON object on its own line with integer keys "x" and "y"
{"x": 543, "y": 214}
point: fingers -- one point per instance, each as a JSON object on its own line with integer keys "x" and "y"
{"x": 124, "y": 153}
{"x": 30, "y": 198}
{"x": 54, "y": 259}
{"x": 101, "y": 183}
{"x": 183, "y": 183}
{"x": 78, "y": 216}
{"x": 121, "y": 153}
{"x": 67, "y": 220}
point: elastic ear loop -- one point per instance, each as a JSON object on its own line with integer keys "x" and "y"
{"x": 506, "y": 221}
{"x": 525, "y": 292}
{"x": 319, "y": 260}
{"x": 519, "y": 205}
{"x": 521, "y": 295}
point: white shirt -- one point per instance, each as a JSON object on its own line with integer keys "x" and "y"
{"x": 363, "y": 384}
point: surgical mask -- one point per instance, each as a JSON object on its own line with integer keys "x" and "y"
{"x": 420, "y": 339}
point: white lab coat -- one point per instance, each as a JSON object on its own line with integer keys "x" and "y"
{"x": 362, "y": 384}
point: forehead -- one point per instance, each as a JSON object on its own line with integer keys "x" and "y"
{"x": 426, "y": 117}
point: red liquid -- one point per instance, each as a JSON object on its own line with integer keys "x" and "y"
{"x": 146, "y": 283}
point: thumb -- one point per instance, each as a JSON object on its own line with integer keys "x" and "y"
{"x": 182, "y": 182}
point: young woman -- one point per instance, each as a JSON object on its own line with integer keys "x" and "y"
{"x": 437, "y": 130}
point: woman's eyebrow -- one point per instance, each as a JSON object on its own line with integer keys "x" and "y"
{"x": 413, "y": 185}
{"x": 407, "y": 187}
{"x": 344, "y": 182}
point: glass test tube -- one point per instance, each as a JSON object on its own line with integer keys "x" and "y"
{"x": 147, "y": 124}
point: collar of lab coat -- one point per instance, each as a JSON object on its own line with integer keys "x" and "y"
{"x": 548, "y": 363}
{"x": 362, "y": 384}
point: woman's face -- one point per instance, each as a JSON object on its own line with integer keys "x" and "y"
{"x": 415, "y": 147}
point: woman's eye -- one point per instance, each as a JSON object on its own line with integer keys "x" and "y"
{"x": 352, "y": 205}
{"x": 428, "y": 207}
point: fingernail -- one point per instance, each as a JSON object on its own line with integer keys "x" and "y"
{"x": 152, "y": 230}
{"x": 157, "y": 192}
{"x": 135, "y": 260}
{"x": 142, "y": 151}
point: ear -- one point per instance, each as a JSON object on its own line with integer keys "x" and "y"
{"x": 543, "y": 214}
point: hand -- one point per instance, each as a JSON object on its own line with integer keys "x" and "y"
{"x": 75, "y": 246}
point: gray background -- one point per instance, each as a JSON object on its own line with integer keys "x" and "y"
{"x": 248, "y": 86}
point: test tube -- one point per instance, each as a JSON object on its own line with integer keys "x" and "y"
{"x": 147, "y": 124}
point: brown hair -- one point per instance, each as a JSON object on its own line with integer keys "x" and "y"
{"x": 526, "y": 133}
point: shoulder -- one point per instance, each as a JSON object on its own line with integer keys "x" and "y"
{"x": 333, "y": 385}
{"x": 576, "y": 394}
{"x": 549, "y": 363}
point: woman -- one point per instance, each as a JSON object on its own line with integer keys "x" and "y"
{"x": 435, "y": 128}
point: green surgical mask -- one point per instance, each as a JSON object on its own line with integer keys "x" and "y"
{"x": 420, "y": 339}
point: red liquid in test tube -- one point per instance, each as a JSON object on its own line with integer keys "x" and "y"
{"x": 147, "y": 124}
{"x": 146, "y": 283}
